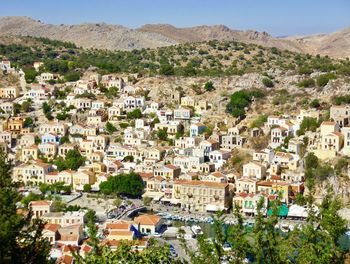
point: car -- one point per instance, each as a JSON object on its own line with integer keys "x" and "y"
{"x": 173, "y": 253}
{"x": 227, "y": 247}
{"x": 157, "y": 235}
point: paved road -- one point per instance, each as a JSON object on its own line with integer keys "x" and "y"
{"x": 177, "y": 246}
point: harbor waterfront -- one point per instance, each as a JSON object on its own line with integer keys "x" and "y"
{"x": 206, "y": 224}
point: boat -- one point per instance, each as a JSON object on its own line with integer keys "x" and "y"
{"x": 197, "y": 230}
{"x": 284, "y": 228}
{"x": 168, "y": 223}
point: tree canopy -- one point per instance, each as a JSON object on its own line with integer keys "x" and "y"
{"x": 72, "y": 161}
{"x": 127, "y": 184}
{"x": 240, "y": 100}
{"x": 21, "y": 239}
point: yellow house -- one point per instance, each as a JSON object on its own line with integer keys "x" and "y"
{"x": 31, "y": 173}
{"x": 95, "y": 156}
{"x": 97, "y": 167}
{"x": 114, "y": 112}
{"x": 120, "y": 230}
{"x": 86, "y": 147}
{"x": 29, "y": 153}
{"x": 80, "y": 178}
{"x": 333, "y": 141}
{"x": 121, "y": 235}
{"x": 246, "y": 184}
{"x": 63, "y": 149}
{"x": 156, "y": 153}
{"x": 49, "y": 150}
{"x": 15, "y": 124}
{"x": 188, "y": 101}
{"x": 39, "y": 208}
{"x": 63, "y": 176}
{"x": 202, "y": 196}
{"x": 283, "y": 189}
{"x": 27, "y": 140}
{"x": 328, "y": 127}
{"x": 9, "y": 92}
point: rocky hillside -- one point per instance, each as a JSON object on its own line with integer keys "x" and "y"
{"x": 219, "y": 32}
{"x": 336, "y": 44}
{"x": 100, "y": 36}
{"x": 116, "y": 37}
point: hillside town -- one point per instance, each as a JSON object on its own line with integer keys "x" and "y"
{"x": 78, "y": 135}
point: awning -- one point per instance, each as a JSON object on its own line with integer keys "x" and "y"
{"x": 155, "y": 195}
{"x": 214, "y": 207}
{"x": 282, "y": 211}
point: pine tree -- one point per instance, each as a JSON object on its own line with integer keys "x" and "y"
{"x": 21, "y": 239}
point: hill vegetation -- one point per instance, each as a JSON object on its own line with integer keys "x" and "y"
{"x": 213, "y": 58}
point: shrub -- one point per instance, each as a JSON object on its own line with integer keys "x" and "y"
{"x": 323, "y": 79}
{"x": 259, "y": 121}
{"x": 240, "y": 100}
{"x": 315, "y": 103}
{"x": 305, "y": 70}
{"x": 307, "y": 83}
{"x": 72, "y": 77}
{"x": 267, "y": 82}
{"x": 134, "y": 114}
{"x": 209, "y": 86}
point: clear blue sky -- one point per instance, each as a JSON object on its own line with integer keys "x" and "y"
{"x": 277, "y": 17}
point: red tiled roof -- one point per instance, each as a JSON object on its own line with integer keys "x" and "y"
{"x": 147, "y": 219}
{"x": 52, "y": 227}
{"x": 201, "y": 183}
{"x": 39, "y": 203}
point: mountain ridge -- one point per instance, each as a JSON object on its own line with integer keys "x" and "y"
{"x": 118, "y": 37}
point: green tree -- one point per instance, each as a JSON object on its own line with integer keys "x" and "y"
{"x": 162, "y": 134}
{"x": 72, "y": 76}
{"x": 128, "y": 184}
{"x": 30, "y": 74}
{"x": 323, "y": 79}
{"x": 166, "y": 69}
{"x": 307, "y": 83}
{"x": 209, "y": 86}
{"x": 28, "y": 122}
{"x": 237, "y": 237}
{"x": 259, "y": 121}
{"x": 308, "y": 124}
{"x": 72, "y": 161}
{"x": 315, "y": 103}
{"x": 64, "y": 140}
{"x": 128, "y": 158}
{"x": 311, "y": 161}
{"x": 135, "y": 114}
{"x": 117, "y": 202}
{"x": 110, "y": 128}
{"x": 21, "y": 239}
{"x": 147, "y": 201}
{"x": 26, "y": 106}
{"x": 47, "y": 111}
{"x": 240, "y": 100}
{"x": 87, "y": 187}
{"x": 31, "y": 197}
{"x": 341, "y": 166}
{"x": 112, "y": 92}
{"x": 267, "y": 82}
